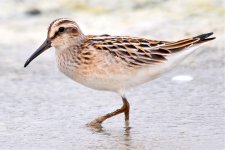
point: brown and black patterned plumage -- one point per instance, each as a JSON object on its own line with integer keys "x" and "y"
{"x": 139, "y": 51}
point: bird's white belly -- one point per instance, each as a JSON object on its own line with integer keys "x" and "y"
{"x": 92, "y": 80}
{"x": 116, "y": 82}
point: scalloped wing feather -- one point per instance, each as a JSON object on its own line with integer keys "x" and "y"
{"x": 139, "y": 51}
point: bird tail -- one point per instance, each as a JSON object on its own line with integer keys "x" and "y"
{"x": 204, "y": 38}
{"x": 193, "y": 41}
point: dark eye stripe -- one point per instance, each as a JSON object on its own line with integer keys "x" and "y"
{"x": 61, "y": 29}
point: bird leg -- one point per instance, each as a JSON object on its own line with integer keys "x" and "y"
{"x": 124, "y": 109}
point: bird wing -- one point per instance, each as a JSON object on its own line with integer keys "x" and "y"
{"x": 139, "y": 51}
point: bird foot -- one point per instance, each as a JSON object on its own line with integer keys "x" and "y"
{"x": 98, "y": 121}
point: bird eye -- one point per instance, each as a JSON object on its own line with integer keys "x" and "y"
{"x": 61, "y": 29}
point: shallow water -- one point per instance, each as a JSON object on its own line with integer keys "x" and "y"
{"x": 41, "y": 109}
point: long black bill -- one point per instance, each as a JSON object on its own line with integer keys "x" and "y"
{"x": 46, "y": 45}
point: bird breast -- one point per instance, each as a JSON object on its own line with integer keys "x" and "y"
{"x": 96, "y": 70}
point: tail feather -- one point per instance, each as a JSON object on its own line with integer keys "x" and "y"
{"x": 204, "y": 38}
{"x": 182, "y": 44}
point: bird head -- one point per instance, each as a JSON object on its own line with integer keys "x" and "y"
{"x": 61, "y": 34}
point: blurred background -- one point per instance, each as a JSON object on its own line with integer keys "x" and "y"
{"x": 42, "y": 109}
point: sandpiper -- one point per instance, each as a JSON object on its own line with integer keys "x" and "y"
{"x": 113, "y": 63}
